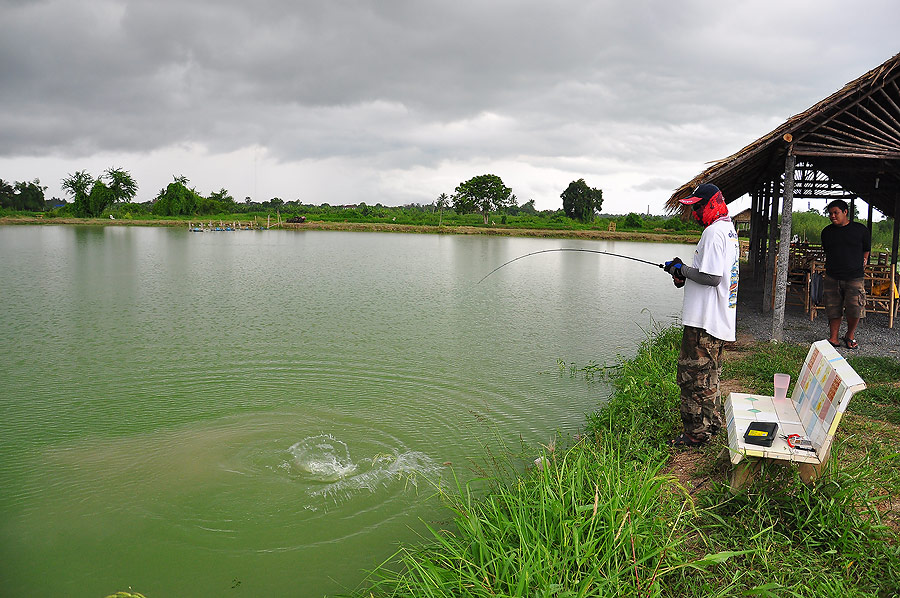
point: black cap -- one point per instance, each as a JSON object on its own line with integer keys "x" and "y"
{"x": 704, "y": 192}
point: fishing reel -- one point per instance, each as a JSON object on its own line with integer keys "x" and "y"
{"x": 674, "y": 268}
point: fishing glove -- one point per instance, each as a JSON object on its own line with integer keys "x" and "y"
{"x": 673, "y": 267}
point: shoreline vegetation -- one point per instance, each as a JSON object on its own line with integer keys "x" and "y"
{"x": 806, "y": 226}
{"x": 618, "y": 513}
{"x": 562, "y": 233}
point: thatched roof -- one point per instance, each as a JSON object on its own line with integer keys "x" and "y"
{"x": 852, "y": 136}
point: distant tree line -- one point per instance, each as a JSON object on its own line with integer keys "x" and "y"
{"x": 482, "y": 200}
{"x": 22, "y": 196}
{"x": 116, "y": 188}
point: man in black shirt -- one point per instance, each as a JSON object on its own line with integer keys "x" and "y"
{"x": 847, "y": 245}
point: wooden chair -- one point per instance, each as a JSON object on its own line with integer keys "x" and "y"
{"x": 881, "y": 290}
{"x": 813, "y": 412}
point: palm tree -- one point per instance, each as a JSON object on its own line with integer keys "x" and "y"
{"x": 443, "y": 201}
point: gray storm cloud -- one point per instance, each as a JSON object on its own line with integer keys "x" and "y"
{"x": 403, "y": 85}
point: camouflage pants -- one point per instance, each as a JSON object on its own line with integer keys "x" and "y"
{"x": 699, "y": 367}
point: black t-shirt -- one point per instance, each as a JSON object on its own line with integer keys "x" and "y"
{"x": 844, "y": 249}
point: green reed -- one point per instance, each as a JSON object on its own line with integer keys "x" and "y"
{"x": 825, "y": 539}
{"x": 587, "y": 522}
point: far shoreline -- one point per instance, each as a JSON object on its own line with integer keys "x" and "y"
{"x": 640, "y": 236}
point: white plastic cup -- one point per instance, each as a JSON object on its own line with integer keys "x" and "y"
{"x": 782, "y": 381}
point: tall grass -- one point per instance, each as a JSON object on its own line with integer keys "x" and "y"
{"x": 590, "y": 522}
{"x": 586, "y": 523}
{"x": 643, "y": 408}
{"x": 825, "y": 539}
{"x": 599, "y": 518}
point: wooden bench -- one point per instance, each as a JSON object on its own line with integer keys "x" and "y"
{"x": 813, "y": 411}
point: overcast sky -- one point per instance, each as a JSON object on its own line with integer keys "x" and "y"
{"x": 396, "y": 102}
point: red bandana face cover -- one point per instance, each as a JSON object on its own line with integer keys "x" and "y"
{"x": 714, "y": 209}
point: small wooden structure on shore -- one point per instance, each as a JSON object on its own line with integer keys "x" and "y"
{"x": 845, "y": 147}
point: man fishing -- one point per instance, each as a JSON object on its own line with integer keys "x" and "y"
{"x": 709, "y": 312}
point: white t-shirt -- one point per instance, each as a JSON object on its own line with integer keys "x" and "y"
{"x": 714, "y": 309}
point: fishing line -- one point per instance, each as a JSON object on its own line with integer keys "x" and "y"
{"x": 627, "y": 257}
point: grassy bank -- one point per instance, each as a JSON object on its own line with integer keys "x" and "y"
{"x": 619, "y": 514}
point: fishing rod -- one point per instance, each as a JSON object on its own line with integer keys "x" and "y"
{"x": 627, "y": 257}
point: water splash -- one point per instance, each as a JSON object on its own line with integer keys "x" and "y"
{"x": 325, "y": 461}
{"x": 383, "y": 471}
{"x": 322, "y": 458}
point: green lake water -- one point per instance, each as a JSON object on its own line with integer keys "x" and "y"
{"x": 267, "y": 413}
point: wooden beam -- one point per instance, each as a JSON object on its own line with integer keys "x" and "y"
{"x": 844, "y": 135}
{"x": 891, "y": 101}
{"x": 866, "y": 123}
{"x": 843, "y": 145}
{"x": 891, "y": 129}
{"x": 784, "y": 248}
{"x": 834, "y": 154}
{"x": 845, "y": 128}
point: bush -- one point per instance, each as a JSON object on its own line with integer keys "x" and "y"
{"x": 633, "y": 221}
{"x": 126, "y": 211}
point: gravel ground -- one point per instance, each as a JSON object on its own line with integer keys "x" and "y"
{"x": 873, "y": 334}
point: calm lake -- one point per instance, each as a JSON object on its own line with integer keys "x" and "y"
{"x": 266, "y": 413}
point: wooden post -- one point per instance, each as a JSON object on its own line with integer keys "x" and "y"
{"x": 784, "y": 250}
{"x": 743, "y": 474}
{"x": 754, "y": 232}
{"x": 762, "y": 235}
{"x": 894, "y": 243}
{"x": 870, "y": 221}
{"x": 770, "y": 249}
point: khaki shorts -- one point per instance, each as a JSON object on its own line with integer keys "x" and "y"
{"x": 844, "y": 297}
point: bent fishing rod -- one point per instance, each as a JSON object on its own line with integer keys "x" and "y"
{"x": 627, "y": 257}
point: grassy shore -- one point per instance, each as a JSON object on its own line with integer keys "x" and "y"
{"x": 509, "y": 231}
{"x": 620, "y": 514}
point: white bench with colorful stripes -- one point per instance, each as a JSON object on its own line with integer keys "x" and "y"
{"x": 807, "y": 420}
